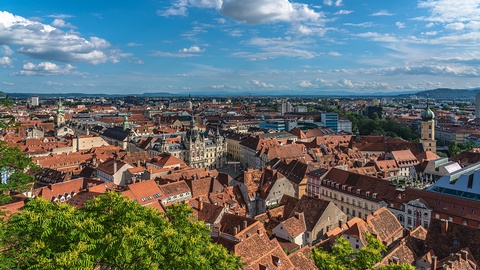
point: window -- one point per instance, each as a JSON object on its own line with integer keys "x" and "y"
{"x": 425, "y": 224}
{"x": 409, "y": 221}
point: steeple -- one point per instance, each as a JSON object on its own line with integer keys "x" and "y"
{"x": 427, "y": 138}
{"x": 60, "y": 116}
{"x": 126, "y": 124}
{"x": 60, "y": 107}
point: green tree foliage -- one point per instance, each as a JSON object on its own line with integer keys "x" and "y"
{"x": 111, "y": 231}
{"x": 455, "y": 148}
{"x": 13, "y": 162}
{"x": 343, "y": 256}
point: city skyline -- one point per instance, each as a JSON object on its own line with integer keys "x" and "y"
{"x": 238, "y": 46}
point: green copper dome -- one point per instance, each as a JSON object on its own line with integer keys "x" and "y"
{"x": 427, "y": 115}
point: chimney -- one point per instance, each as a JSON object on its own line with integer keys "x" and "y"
{"x": 434, "y": 262}
{"x": 114, "y": 166}
{"x": 444, "y": 226}
{"x": 200, "y": 207}
{"x": 340, "y": 223}
{"x": 245, "y": 224}
{"x": 235, "y": 231}
{"x": 464, "y": 254}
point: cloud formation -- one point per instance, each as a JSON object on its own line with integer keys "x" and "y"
{"x": 46, "y": 69}
{"x": 250, "y": 11}
{"x": 45, "y": 42}
{"x": 59, "y": 23}
{"x": 193, "y": 49}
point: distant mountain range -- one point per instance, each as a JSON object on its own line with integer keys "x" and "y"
{"x": 447, "y": 93}
{"x": 440, "y": 93}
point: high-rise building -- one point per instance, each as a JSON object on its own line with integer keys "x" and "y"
{"x": 427, "y": 138}
{"x": 330, "y": 120}
{"x": 35, "y": 101}
{"x": 286, "y": 108}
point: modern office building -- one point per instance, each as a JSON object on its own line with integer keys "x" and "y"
{"x": 330, "y": 120}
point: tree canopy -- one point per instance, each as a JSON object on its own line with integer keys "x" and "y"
{"x": 13, "y": 163}
{"x": 111, "y": 231}
{"x": 344, "y": 257}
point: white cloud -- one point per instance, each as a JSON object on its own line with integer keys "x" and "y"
{"x": 378, "y": 37}
{"x": 5, "y": 50}
{"x": 226, "y": 86}
{"x": 46, "y": 69}
{"x": 45, "y": 42}
{"x": 264, "y": 11}
{"x": 343, "y": 12}
{"x": 304, "y": 30}
{"x": 193, "y": 49}
{"x": 180, "y": 7}
{"x": 59, "y": 23}
{"x": 133, "y": 44}
{"x": 50, "y": 83}
{"x": 448, "y": 11}
{"x": 261, "y": 84}
{"x": 336, "y": 3}
{"x": 473, "y": 25}
{"x": 173, "y": 55}
{"x": 8, "y": 83}
{"x": 277, "y": 47}
{"x": 430, "y": 33}
{"x": 364, "y": 24}
{"x": 307, "y": 84}
{"x": 5, "y": 61}
{"x": 400, "y": 25}
{"x": 334, "y": 54}
{"x": 250, "y": 11}
{"x": 455, "y": 26}
{"x": 235, "y": 32}
{"x": 427, "y": 69}
{"x": 382, "y": 13}
{"x": 173, "y": 11}
{"x": 61, "y": 16}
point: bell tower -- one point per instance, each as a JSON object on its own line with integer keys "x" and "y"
{"x": 60, "y": 116}
{"x": 428, "y": 130}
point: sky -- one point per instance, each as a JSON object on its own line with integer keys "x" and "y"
{"x": 238, "y": 47}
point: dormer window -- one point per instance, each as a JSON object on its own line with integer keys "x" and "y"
{"x": 358, "y": 191}
{"x": 350, "y": 189}
{"x": 367, "y": 193}
{"x": 374, "y": 195}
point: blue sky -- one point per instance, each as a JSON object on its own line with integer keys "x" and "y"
{"x": 238, "y": 46}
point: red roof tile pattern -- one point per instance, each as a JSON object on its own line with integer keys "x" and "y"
{"x": 260, "y": 253}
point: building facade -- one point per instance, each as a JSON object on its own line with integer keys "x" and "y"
{"x": 197, "y": 150}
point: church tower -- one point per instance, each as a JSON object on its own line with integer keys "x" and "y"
{"x": 428, "y": 130}
{"x": 60, "y": 116}
{"x": 126, "y": 124}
